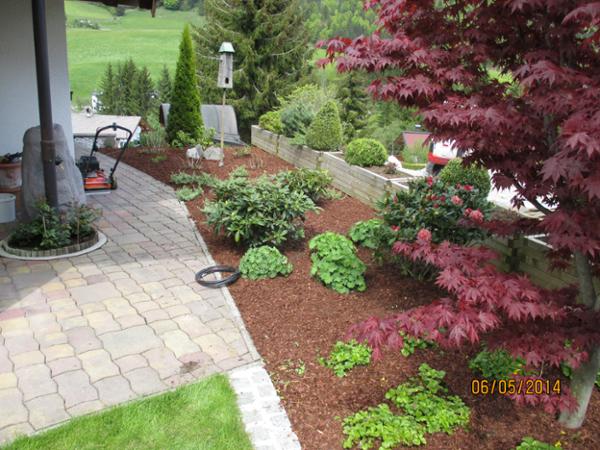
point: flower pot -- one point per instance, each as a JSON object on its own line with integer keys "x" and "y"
{"x": 10, "y": 177}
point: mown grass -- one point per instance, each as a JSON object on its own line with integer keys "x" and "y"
{"x": 151, "y": 42}
{"x": 202, "y": 416}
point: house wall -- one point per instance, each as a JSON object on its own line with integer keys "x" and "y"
{"x": 18, "y": 86}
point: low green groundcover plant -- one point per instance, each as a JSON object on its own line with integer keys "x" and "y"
{"x": 366, "y": 153}
{"x": 325, "y": 131}
{"x": 264, "y": 262}
{"x": 530, "y": 443}
{"x": 347, "y": 355}
{"x": 426, "y": 406}
{"x": 198, "y": 179}
{"x": 496, "y": 365}
{"x": 51, "y": 229}
{"x": 313, "y": 183}
{"x": 200, "y": 416}
{"x": 367, "y": 233}
{"x": 187, "y": 194}
{"x": 271, "y": 121}
{"x": 335, "y": 263}
{"x": 455, "y": 173}
{"x": 411, "y": 344}
{"x": 257, "y": 212}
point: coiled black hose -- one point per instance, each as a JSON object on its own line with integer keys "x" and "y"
{"x": 235, "y": 275}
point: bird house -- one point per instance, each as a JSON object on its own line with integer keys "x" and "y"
{"x": 226, "y": 52}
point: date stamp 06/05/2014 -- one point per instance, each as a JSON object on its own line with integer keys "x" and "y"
{"x": 515, "y": 387}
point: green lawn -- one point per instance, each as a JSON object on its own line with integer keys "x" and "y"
{"x": 201, "y": 416}
{"x": 152, "y": 42}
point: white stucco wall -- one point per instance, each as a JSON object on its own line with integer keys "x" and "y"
{"x": 18, "y": 87}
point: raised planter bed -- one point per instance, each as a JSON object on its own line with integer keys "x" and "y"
{"x": 92, "y": 243}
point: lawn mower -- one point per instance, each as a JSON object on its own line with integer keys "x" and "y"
{"x": 94, "y": 178}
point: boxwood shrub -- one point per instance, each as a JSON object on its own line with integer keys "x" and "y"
{"x": 456, "y": 173}
{"x": 366, "y": 153}
{"x": 271, "y": 121}
{"x": 325, "y": 131}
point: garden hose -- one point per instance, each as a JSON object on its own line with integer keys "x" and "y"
{"x": 235, "y": 275}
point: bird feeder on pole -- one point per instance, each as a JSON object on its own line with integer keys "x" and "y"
{"x": 225, "y": 81}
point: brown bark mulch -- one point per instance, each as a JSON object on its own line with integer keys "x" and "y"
{"x": 295, "y": 320}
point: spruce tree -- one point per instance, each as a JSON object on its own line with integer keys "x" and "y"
{"x": 107, "y": 91}
{"x": 144, "y": 92}
{"x": 184, "y": 114}
{"x": 164, "y": 86}
{"x": 353, "y": 101}
{"x": 271, "y": 44}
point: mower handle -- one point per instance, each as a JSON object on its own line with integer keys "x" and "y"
{"x": 114, "y": 127}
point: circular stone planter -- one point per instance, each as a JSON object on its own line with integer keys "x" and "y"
{"x": 96, "y": 241}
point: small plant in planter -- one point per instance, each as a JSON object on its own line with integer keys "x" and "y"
{"x": 51, "y": 230}
{"x": 335, "y": 263}
{"x": 264, "y": 262}
{"x": 345, "y": 356}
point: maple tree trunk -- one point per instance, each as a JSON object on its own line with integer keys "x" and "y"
{"x": 582, "y": 383}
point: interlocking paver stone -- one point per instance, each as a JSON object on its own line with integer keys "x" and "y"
{"x": 114, "y": 390}
{"x": 64, "y": 365}
{"x": 46, "y": 411}
{"x": 98, "y": 365}
{"x": 20, "y": 344}
{"x": 83, "y": 339}
{"x": 179, "y": 342}
{"x": 163, "y": 361}
{"x": 14, "y": 431}
{"x": 94, "y": 293}
{"x": 14, "y": 414}
{"x": 131, "y": 362}
{"x": 131, "y": 341}
{"x": 8, "y": 380}
{"x": 58, "y": 351}
{"x": 75, "y": 388}
{"x": 34, "y": 381}
{"x": 192, "y": 325}
{"x": 145, "y": 381}
{"x": 28, "y": 359}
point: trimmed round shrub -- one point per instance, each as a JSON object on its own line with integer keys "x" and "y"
{"x": 264, "y": 262}
{"x": 271, "y": 121}
{"x": 456, "y": 172}
{"x": 325, "y": 131}
{"x": 366, "y": 153}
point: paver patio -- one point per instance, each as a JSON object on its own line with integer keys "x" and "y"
{"x": 81, "y": 334}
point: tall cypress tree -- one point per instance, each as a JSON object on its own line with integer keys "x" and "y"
{"x": 271, "y": 44}
{"x": 144, "y": 91}
{"x": 184, "y": 114}
{"x": 353, "y": 100}
{"x": 164, "y": 86}
{"x": 107, "y": 90}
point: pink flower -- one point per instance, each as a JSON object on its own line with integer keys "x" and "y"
{"x": 468, "y": 187}
{"x": 435, "y": 206}
{"x": 443, "y": 198}
{"x": 424, "y": 235}
{"x": 456, "y": 200}
{"x": 395, "y": 228}
{"x": 476, "y": 216}
{"x": 468, "y": 212}
{"x": 430, "y": 181}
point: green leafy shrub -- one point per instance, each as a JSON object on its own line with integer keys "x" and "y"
{"x": 345, "y": 356}
{"x": 159, "y": 158}
{"x": 529, "y": 443}
{"x": 367, "y": 233}
{"x": 325, "y": 131}
{"x": 172, "y": 4}
{"x": 366, "y": 153}
{"x": 154, "y": 139}
{"x": 271, "y": 121}
{"x": 187, "y": 194}
{"x": 295, "y": 120}
{"x": 257, "y": 212}
{"x": 201, "y": 179}
{"x": 264, "y": 262}
{"x": 313, "y": 183}
{"x": 335, "y": 263}
{"x": 427, "y": 409}
{"x": 51, "y": 230}
{"x": 496, "y": 365}
{"x": 415, "y": 154}
{"x": 455, "y": 173}
{"x": 411, "y": 344}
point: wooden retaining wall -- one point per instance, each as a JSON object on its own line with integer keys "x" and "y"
{"x": 522, "y": 254}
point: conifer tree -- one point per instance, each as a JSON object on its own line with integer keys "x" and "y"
{"x": 144, "y": 92}
{"x": 353, "y": 100}
{"x": 107, "y": 90}
{"x": 184, "y": 114}
{"x": 164, "y": 86}
{"x": 271, "y": 44}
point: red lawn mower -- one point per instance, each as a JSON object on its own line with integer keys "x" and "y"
{"x": 95, "y": 178}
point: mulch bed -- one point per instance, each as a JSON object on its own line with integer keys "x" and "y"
{"x": 295, "y": 320}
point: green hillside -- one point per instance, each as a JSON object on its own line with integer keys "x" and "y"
{"x": 150, "y": 41}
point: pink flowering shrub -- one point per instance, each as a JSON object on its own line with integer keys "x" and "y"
{"x": 447, "y": 212}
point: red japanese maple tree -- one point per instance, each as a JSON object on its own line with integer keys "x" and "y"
{"x": 517, "y": 84}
